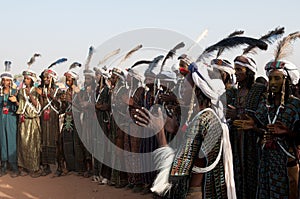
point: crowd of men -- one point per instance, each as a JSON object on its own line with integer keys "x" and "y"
{"x": 254, "y": 122}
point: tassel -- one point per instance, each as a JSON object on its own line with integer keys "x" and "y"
{"x": 163, "y": 157}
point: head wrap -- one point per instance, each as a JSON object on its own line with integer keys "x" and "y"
{"x": 6, "y": 74}
{"x": 88, "y": 72}
{"x": 211, "y": 88}
{"x": 50, "y": 72}
{"x": 287, "y": 68}
{"x": 71, "y": 74}
{"x": 246, "y": 62}
{"x": 31, "y": 74}
{"x": 223, "y": 65}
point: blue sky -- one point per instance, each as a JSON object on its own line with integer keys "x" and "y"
{"x": 67, "y": 28}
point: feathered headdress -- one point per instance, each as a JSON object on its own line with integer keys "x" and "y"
{"x": 32, "y": 59}
{"x": 59, "y": 61}
{"x": 7, "y": 65}
{"x": 130, "y": 53}
{"x": 171, "y": 53}
{"x": 152, "y": 65}
{"x": 29, "y": 73}
{"x": 6, "y": 74}
{"x": 235, "y": 33}
{"x": 232, "y": 42}
{"x": 74, "y": 65}
{"x": 109, "y": 55}
{"x": 89, "y": 58}
{"x": 269, "y": 38}
{"x": 284, "y": 48}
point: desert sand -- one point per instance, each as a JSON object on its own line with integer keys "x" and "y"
{"x": 70, "y": 186}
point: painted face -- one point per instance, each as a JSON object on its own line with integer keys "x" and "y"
{"x": 6, "y": 82}
{"x": 240, "y": 72}
{"x": 276, "y": 78}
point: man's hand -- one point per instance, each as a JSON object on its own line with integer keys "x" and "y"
{"x": 244, "y": 124}
{"x": 145, "y": 118}
{"x": 12, "y": 99}
{"x": 278, "y": 128}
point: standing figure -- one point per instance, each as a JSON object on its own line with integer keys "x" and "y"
{"x": 8, "y": 125}
{"x": 73, "y": 148}
{"x": 29, "y": 137}
{"x": 50, "y": 104}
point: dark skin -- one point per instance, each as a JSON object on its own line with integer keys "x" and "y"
{"x": 241, "y": 76}
{"x": 157, "y": 122}
{"x": 27, "y": 82}
{"x": 275, "y": 83}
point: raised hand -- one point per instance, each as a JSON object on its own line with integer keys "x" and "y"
{"x": 145, "y": 118}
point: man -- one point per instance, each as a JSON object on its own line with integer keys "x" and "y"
{"x": 50, "y": 103}
{"x": 29, "y": 137}
{"x": 184, "y": 183}
{"x": 8, "y": 125}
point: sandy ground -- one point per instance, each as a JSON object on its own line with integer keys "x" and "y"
{"x": 70, "y": 186}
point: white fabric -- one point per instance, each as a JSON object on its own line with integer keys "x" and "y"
{"x": 169, "y": 76}
{"x": 252, "y": 66}
{"x": 228, "y": 163}
{"x": 7, "y": 75}
{"x": 163, "y": 158}
{"x": 212, "y": 88}
{"x": 51, "y": 74}
{"x": 227, "y": 69}
{"x": 34, "y": 79}
{"x": 73, "y": 74}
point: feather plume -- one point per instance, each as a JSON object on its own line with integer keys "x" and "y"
{"x": 269, "y": 38}
{"x": 140, "y": 62}
{"x": 130, "y": 53}
{"x": 7, "y": 65}
{"x": 32, "y": 59}
{"x": 284, "y": 46}
{"x": 201, "y": 36}
{"x": 59, "y": 61}
{"x": 172, "y": 52}
{"x": 232, "y": 42}
{"x": 74, "y": 65}
{"x": 109, "y": 55}
{"x": 89, "y": 57}
{"x": 235, "y": 33}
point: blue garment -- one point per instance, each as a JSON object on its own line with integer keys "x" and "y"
{"x": 8, "y": 131}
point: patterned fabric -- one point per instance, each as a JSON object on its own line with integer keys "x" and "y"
{"x": 180, "y": 174}
{"x": 244, "y": 143}
{"x": 273, "y": 177}
{"x": 50, "y": 128}
{"x": 73, "y": 148}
